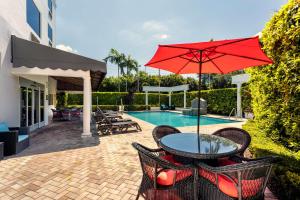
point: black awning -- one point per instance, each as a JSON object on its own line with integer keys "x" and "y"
{"x": 30, "y": 54}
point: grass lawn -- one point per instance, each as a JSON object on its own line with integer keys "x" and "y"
{"x": 285, "y": 181}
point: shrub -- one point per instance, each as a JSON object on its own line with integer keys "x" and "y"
{"x": 115, "y": 107}
{"x": 220, "y": 101}
{"x": 285, "y": 182}
{"x": 275, "y": 89}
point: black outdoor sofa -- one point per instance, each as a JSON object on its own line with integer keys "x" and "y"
{"x": 15, "y": 139}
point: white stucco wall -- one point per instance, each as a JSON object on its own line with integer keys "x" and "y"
{"x": 13, "y": 22}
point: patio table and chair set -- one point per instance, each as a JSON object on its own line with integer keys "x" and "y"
{"x": 185, "y": 166}
{"x": 198, "y": 166}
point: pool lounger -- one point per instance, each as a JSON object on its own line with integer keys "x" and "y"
{"x": 119, "y": 126}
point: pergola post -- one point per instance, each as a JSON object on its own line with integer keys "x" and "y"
{"x": 146, "y": 98}
{"x": 87, "y": 100}
{"x": 184, "y": 99}
{"x": 239, "y": 80}
{"x": 170, "y": 98}
{"x": 239, "y": 101}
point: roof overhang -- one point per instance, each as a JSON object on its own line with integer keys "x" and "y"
{"x": 30, "y": 54}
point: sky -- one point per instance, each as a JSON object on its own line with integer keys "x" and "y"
{"x": 136, "y": 27}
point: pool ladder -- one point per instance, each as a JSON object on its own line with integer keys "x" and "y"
{"x": 233, "y": 111}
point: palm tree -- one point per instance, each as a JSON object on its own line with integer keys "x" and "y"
{"x": 115, "y": 57}
{"x": 131, "y": 65}
{"x": 122, "y": 61}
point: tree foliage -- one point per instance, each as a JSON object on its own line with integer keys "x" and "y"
{"x": 275, "y": 88}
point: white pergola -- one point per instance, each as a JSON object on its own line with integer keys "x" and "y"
{"x": 169, "y": 90}
{"x": 87, "y": 90}
{"x": 239, "y": 80}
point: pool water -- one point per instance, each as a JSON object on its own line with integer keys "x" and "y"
{"x": 176, "y": 119}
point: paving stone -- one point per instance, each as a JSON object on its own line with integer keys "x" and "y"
{"x": 59, "y": 164}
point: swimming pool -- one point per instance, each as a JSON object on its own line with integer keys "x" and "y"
{"x": 176, "y": 119}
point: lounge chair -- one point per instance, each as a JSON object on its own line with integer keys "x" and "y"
{"x": 108, "y": 126}
{"x": 194, "y": 108}
{"x": 166, "y": 107}
{"x": 99, "y": 117}
{"x": 15, "y": 139}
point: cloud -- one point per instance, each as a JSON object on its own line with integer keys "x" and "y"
{"x": 147, "y": 32}
{"x": 66, "y": 48}
{"x": 161, "y": 36}
{"x": 154, "y": 26}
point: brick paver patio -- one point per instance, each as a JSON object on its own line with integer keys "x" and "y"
{"x": 60, "y": 164}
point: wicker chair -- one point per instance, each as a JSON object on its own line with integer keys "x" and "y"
{"x": 238, "y": 136}
{"x": 241, "y": 179}
{"x": 163, "y": 178}
{"x": 163, "y": 130}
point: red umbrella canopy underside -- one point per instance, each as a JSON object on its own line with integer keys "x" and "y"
{"x": 218, "y": 57}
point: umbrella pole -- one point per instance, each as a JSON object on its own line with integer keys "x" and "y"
{"x": 199, "y": 101}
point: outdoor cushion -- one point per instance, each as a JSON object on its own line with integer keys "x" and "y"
{"x": 166, "y": 177}
{"x": 249, "y": 187}
{"x": 3, "y": 127}
{"x": 228, "y": 186}
{"x": 22, "y": 137}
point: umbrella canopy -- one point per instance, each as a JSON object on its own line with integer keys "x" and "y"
{"x": 218, "y": 57}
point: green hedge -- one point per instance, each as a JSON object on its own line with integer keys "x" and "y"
{"x": 220, "y": 101}
{"x": 285, "y": 181}
{"x": 276, "y": 88}
{"x": 115, "y": 107}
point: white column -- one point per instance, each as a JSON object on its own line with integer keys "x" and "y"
{"x": 146, "y": 98}
{"x": 184, "y": 98}
{"x": 87, "y": 100}
{"x": 239, "y": 101}
{"x": 170, "y": 98}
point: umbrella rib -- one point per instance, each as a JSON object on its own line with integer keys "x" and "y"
{"x": 216, "y": 66}
{"x": 241, "y": 56}
{"x": 210, "y": 59}
{"x": 229, "y": 43}
{"x": 186, "y": 63}
{"x": 166, "y": 59}
{"x": 170, "y": 46}
{"x": 188, "y": 59}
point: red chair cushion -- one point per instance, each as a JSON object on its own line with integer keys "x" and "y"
{"x": 249, "y": 187}
{"x": 228, "y": 186}
{"x": 166, "y": 176}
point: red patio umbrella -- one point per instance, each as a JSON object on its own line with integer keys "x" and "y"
{"x": 219, "y": 57}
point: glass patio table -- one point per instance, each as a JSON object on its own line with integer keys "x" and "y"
{"x": 208, "y": 147}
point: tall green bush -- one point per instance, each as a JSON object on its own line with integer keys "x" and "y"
{"x": 220, "y": 101}
{"x": 276, "y": 88}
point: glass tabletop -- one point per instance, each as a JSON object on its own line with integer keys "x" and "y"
{"x": 186, "y": 144}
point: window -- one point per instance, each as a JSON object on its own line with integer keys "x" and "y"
{"x": 33, "y": 17}
{"x": 50, "y": 5}
{"x": 50, "y": 33}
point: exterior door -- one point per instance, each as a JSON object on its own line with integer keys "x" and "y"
{"x": 32, "y": 111}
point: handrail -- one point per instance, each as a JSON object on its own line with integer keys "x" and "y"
{"x": 233, "y": 110}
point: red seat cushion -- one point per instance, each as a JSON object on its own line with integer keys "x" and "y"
{"x": 166, "y": 177}
{"x": 249, "y": 187}
{"x": 228, "y": 186}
